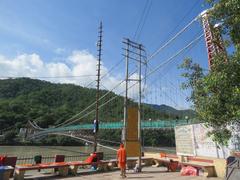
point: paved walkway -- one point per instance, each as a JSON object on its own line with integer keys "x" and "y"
{"x": 148, "y": 173}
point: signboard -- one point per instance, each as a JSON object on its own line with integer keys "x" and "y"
{"x": 193, "y": 140}
{"x": 235, "y": 140}
{"x": 204, "y": 146}
{"x": 184, "y": 140}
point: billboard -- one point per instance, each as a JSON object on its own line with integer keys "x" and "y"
{"x": 184, "y": 140}
{"x": 193, "y": 140}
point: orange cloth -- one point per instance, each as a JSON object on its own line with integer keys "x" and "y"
{"x": 91, "y": 159}
{"x": 2, "y": 159}
{"x": 162, "y": 155}
{"x": 121, "y": 157}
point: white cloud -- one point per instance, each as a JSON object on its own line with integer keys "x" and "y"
{"x": 78, "y": 63}
{"x": 22, "y": 65}
{"x": 60, "y": 69}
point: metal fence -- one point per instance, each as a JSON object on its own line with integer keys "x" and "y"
{"x": 47, "y": 159}
{"x": 119, "y": 125}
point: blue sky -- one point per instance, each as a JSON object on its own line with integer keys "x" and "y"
{"x": 60, "y": 35}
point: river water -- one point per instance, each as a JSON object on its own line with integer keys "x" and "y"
{"x": 25, "y": 154}
{"x": 30, "y": 151}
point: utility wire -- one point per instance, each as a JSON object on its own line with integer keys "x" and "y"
{"x": 46, "y": 77}
{"x": 113, "y": 67}
{"x": 143, "y": 18}
{"x": 151, "y": 56}
{"x": 150, "y": 73}
{"x": 142, "y": 21}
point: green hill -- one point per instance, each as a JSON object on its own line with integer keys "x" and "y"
{"x": 174, "y": 112}
{"x": 49, "y": 104}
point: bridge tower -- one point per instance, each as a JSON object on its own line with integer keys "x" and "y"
{"x": 213, "y": 38}
{"x": 131, "y": 134}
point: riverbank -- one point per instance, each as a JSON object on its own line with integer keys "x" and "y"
{"x": 152, "y": 173}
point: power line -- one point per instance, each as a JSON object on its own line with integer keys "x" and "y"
{"x": 151, "y": 56}
{"x": 46, "y": 77}
{"x": 142, "y": 15}
{"x": 140, "y": 26}
{"x": 144, "y": 21}
{"x": 150, "y": 73}
{"x": 143, "y": 18}
{"x": 113, "y": 67}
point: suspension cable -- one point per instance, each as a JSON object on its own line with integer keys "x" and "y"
{"x": 94, "y": 102}
{"x": 175, "y": 55}
{"x": 148, "y": 59}
{"x": 172, "y": 39}
{"x": 100, "y": 106}
{"x": 150, "y": 73}
{"x": 85, "y": 140}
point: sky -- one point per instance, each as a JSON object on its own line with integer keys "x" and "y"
{"x": 45, "y": 39}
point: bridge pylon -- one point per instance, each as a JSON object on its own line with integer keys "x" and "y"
{"x": 31, "y": 129}
{"x": 132, "y": 143}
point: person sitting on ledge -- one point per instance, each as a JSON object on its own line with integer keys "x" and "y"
{"x": 92, "y": 159}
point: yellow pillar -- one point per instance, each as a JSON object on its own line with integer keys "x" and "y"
{"x": 132, "y": 144}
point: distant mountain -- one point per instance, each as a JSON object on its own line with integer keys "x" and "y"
{"x": 170, "y": 110}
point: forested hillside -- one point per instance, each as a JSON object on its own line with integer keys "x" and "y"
{"x": 49, "y": 104}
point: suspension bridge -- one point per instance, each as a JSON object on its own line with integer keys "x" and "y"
{"x": 160, "y": 124}
{"x": 145, "y": 86}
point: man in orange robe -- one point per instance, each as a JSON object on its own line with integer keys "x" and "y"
{"x": 122, "y": 159}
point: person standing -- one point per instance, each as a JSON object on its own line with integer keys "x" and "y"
{"x": 122, "y": 159}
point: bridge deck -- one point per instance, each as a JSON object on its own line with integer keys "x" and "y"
{"x": 159, "y": 124}
{"x": 119, "y": 125}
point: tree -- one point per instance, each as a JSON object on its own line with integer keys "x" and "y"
{"x": 10, "y": 136}
{"x": 216, "y": 95}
